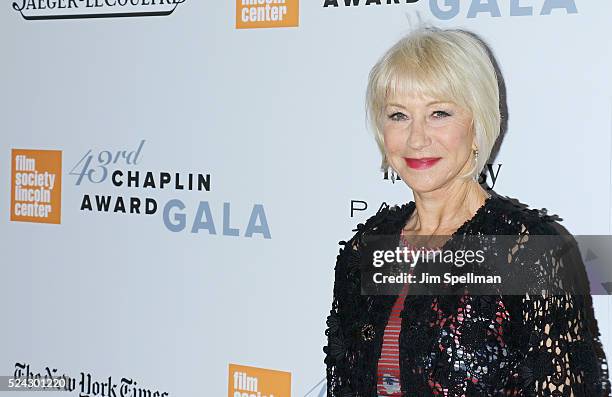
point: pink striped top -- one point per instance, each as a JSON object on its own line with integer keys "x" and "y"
{"x": 388, "y": 384}
{"x": 388, "y": 364}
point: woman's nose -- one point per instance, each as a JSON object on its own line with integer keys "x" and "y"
{"x": 417, "y": 135}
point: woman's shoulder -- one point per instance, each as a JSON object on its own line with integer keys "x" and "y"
{"x": 510, "y": 213}
{"x": 548, "y": 254}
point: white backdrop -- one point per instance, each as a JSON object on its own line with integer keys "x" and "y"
{"x": 275, "y": 116}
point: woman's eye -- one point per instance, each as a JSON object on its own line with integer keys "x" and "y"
{"x": 396, "y": 116}
{"x": 440, "y": 114}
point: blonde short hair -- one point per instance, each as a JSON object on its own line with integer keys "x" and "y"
{"x": 446, "y": 64}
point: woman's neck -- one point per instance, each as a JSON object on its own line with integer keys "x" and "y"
{"x": 442, "y": 211}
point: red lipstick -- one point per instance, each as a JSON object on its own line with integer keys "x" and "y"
{"x": 421, "y": 163}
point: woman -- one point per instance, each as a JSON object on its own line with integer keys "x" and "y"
{"x": 433, "y": 102}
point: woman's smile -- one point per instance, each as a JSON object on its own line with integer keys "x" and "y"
{"x": 421, "y": 163}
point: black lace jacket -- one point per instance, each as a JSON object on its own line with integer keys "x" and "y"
{"x": 514, "y": 345}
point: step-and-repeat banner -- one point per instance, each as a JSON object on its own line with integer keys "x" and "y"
{"x": 177, "y": 174}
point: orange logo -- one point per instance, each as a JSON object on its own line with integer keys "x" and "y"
{"x": 266, "y": 13}
{"x": 252, "y": 381}
{"x": 36, "y": 185}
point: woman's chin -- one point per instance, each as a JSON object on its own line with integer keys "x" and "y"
{"x": 423, "y": 185}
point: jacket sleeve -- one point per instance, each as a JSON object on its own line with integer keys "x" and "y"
{"x": 346, "y": 289}
{"x": 565, "y": 356}
{"x": 335, "y": 349}
{"x": 348, "y": 366}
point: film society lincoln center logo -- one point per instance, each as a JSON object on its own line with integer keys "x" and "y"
{"x": 267, "y": 13}
{"x": 246, "y": 381}
{"x": 36, "y": 185}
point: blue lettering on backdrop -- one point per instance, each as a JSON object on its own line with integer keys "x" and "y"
{"x": 227, "y": 230}
{"x": 209, "y": 225}
{"x": 490, "y": 6}
{"x": 258, "y": 212}
{"x": 516, "y": 10}
{"x": 449, "y": 9}
{"x": 444, "y": 14}
{"x": 549, "y": 5}
{"x": 179, "y": 218}
{"x": 175, "y": 219}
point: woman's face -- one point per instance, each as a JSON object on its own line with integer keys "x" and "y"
{"x": 428, "y": 142}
